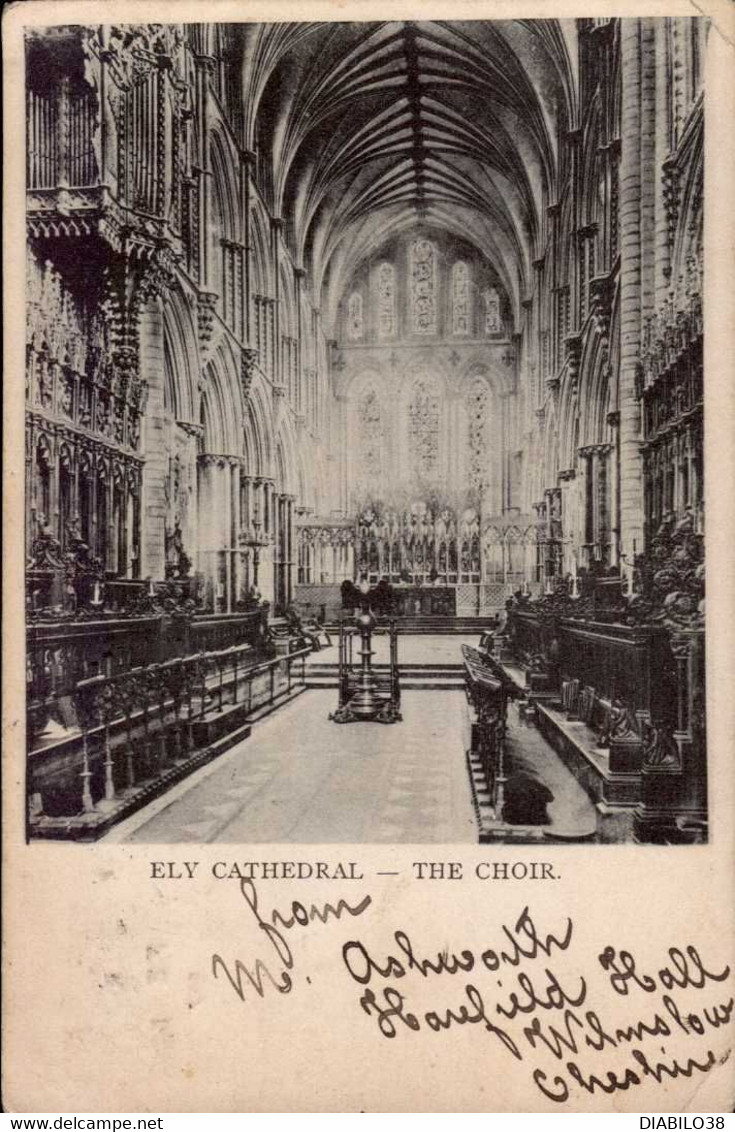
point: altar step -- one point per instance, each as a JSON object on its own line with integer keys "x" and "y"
{"x": 431, "y": 623}
{"x": 413, "y": 676}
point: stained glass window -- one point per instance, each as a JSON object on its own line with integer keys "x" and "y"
{"x": 354, "y": 316}
{"x": 386, "y": 300}
{"x": 460, "y": 299}
{"x": 423, "y": 429}
{"x": 478, "y": 406}
{"x": 370, "y": 442}
{"x": 423, "y": 287}
{"x": 493, "y": 324}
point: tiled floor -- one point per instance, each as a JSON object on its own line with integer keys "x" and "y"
{"x": 302, "y": 778}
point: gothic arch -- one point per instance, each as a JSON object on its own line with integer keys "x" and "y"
{"x": 594, "y": 387}
{"x": 210, "y": 416}
{"x": 225, "y": 189}
{"x": 499, "y": 377}
{"x": 568, "y": 418}
{"x": 286, "y": 462}
{"x": 262, "y": 275}
{"x": 251, "y": 446}
{"x": 180, "y": 342}
{"x": 221, "y": 403}
{"x": 260, "y": 418}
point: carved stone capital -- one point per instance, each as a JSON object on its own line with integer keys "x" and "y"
{"x": 190, "y": 428}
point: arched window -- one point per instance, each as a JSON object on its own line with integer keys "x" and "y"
{"x": 493, "y": 324}
{"x": 423, "y": 287}
{"x": 461, "y": 323}
{"x": 423, "y": 430}
{"x": 354, "y": 316}
{"x": 386, "y": 300}
{"x": 369, "y": 463}
{"x": 478, "y": 433}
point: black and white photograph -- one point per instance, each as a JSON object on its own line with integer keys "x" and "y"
{"x": 368, "y": 742}
{"x": 364, "y": 432}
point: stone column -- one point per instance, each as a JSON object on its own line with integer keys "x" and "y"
{"x": 586, "y": 530}
{"x": 631, "y": 479}
{"x": 204, "y": 69}
{"x": 205, "y": 505}
{"x": 266, "y": 585}
{"x": 569, "y": 524}
{"x": 613, "y": 420}
{"x": 290, "y": 547}
{"x": 235, "y": 532}
{"x": 662, "y": 149}
{"x": 153, "y": 550}
{"x": 247, "y": 158}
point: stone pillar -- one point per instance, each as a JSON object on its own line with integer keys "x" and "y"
{"x": 235, "y": 533}
{"x": 662, "y": 149}
{"x": 204, "y": 68}
{"x": 631, "y": 479}
{"x": 290, "y": 549}
{"x": 246, "y": 161}
{"x": 650, "y": 176}
{"x": 568, "y": 509}
{"x": 586, "y": 529}
{"x": 266, "y": 582}
{"x": 205, "y": 502}
{"x": 613, "y": 420}
{"x": 153, "y": 550}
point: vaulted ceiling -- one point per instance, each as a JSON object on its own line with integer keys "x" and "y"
{"x": 373, "y": 128}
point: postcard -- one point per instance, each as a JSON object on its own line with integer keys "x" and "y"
{"x": 368, "y": 736}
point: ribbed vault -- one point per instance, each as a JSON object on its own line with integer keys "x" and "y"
{"x": 370, "y": 128}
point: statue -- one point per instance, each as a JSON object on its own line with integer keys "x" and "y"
{"x": 46, "y": 549}
{"x": 178, "y": 562}
{"x": 619, "y": 726}
{"x": 659, "y": 746}
{"x": 620, "y": 722}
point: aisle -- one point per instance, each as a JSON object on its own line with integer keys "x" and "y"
{"x": 413, "y": 648}
{"x": 302, "y": 778}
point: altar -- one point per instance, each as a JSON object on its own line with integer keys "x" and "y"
{"x": 424, "y": 601}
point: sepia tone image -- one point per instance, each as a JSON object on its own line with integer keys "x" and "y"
{"x": 364, "y": 432}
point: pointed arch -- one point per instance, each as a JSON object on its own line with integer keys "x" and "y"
{"x": 180, "y": 354}
{"x": 286, "y": 463}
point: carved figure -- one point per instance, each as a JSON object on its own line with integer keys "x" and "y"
{"x": 659, "y": 746}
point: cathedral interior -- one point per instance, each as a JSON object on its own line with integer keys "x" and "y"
{"x": 317, "y": 311}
